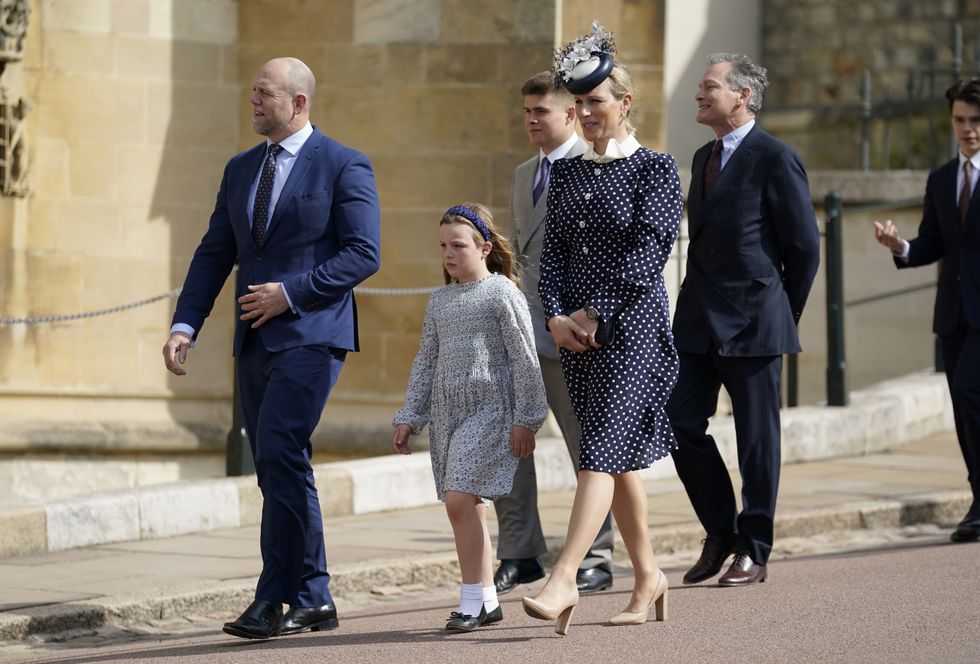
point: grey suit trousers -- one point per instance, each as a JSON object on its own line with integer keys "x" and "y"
{"x": 520, "y": 534}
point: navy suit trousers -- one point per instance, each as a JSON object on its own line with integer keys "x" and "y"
{"x": 753, "y": 385}
{"x": 961, "y": 357}
{"x": 283, "y": 394}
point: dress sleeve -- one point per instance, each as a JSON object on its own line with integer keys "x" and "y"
{"x": 418, "y": 397}
{"x": 530, "y": 402}
{"x": 554, "y": 260}
{"x": 657, "y": 202}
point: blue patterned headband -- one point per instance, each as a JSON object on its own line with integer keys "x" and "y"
{"x": 472, "y": 216}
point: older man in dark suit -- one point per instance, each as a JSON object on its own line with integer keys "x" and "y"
{"x": 754, "y": 251}
{"x": 950, "y": 232}
{"x": 299, "y": 214}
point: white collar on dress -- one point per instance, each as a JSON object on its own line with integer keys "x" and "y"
{"x": 614, "y": 150}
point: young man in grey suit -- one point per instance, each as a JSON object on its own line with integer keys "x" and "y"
{"x": 549, "y": 117}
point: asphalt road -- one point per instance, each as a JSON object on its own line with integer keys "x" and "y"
{"x": 917, "y": 602}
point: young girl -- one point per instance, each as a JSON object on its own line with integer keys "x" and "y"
{"x": 477, "y": 383}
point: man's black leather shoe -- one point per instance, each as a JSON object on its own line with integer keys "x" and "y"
{"x": 515, "y": 571}
{"x": 593, "y": 580}
{"x": 316, "y": 619}
{"x": 261, "y": 620}
{"x": 968, "y": 530}
{"x": 716, "y": 550}
{"x": 464, "y": 622}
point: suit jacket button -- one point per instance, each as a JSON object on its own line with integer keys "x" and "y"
{"x": 258, "y": 258}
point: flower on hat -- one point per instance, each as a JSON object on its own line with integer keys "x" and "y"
{"x": 581, "y": 49}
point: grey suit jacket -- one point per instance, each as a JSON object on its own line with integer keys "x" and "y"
{"x": 527, "y": 234}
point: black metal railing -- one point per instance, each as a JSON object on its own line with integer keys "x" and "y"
{"x": 837, "y": 394}
{"x": 899, "y": 128}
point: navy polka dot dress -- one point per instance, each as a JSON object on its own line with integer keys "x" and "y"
{"x": 609, "y": 233}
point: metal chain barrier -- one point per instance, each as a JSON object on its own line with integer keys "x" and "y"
{"x": 428, "y": 290}
{"x": 35, "y": 320}
{"x": 172, "y": 294}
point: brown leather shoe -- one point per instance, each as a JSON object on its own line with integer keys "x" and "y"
{"x": 743, "y": 572}
{"x": 716, "y": 550}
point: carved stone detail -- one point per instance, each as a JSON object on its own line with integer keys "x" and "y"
{"x": 13, "y": 28}
{"x": 13, "y": 147}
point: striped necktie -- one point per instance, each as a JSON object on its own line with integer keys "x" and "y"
{"x": 966, "y": 191}
{"x": 544, "y": 168}
{"x": 713, "y": 168}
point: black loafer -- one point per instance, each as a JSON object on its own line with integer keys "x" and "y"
{"x": 515, "y": 571}
{"x": 299, "y": 619}
{"x": 464, "y": 622}
{"x": 494, "y": 616}
{"x": 261, "y": 620}
{"x": 593, "y": 580}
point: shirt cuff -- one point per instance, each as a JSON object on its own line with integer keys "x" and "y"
{"x": 185, "y": 328}
{"x": 905, "y": 251}
{"x": 289, "y": 301}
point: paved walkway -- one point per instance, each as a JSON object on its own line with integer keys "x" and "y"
{"x": 921, "y": 482}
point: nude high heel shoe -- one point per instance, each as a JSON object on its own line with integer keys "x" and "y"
{"x": 659, "y": 600}
{"x": 561, "y": 613}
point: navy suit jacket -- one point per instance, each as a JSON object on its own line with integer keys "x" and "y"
{"x": 324, "y": 238}
{"x": 753, "y": 253}
{"x": 943, "y": 236}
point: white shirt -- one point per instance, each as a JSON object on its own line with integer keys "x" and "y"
{"x": 731, "y": 140}
{"x": 553, "y": 156}
{"x": 285, "y": 161}
{"x": 975, "y": 163}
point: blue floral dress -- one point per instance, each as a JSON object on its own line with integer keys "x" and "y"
{"x": 476, "y": 374}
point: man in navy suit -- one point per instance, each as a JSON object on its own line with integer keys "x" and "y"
{"x": 754, "y": 251}
{"x": 950, "y": 232}
{"x": 299, "y": 214}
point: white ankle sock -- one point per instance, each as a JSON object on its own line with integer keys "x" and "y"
{"x": 490, "y": 598}
{"x": 470, "y": 599}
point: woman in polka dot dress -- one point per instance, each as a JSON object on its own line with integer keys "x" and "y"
{"x": 613, "y": 217}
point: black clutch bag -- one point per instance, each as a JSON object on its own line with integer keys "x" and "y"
{"x": 605, "y": 334}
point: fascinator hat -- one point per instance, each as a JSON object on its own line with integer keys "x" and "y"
{"x": 585, "y": 62}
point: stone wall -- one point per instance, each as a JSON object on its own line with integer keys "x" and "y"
{"x": 816, "y": 51}
{"x": 138, "y": 104}
{"x": 133, "y": 115}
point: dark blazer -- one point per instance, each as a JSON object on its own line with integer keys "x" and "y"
{"x": 753, "y": 253}
{"x": 324, "y": 237}
{"x": 943, "y": 236}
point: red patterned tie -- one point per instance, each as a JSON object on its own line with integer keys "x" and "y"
{"x": 263, "y": 194}
{"x": 713, "y": 168}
